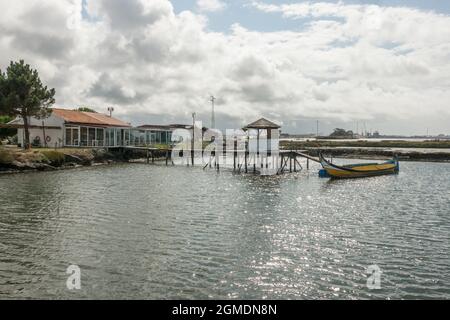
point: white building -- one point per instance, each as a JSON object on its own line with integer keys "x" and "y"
{"x": 68, "y": 128}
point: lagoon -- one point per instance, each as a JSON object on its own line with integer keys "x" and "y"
{"x": 154, "y": 232}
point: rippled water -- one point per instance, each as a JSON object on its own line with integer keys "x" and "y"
{"x": 156, "y": 232}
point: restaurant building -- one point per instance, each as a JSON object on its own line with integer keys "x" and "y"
{"x": 69, "y": 128}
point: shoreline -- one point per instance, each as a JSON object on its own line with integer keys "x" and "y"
{"x": 45, "y": 160}
{"x": 16, "y": 160}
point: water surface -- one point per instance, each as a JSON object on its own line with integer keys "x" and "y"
{"x": 155, "y": 232}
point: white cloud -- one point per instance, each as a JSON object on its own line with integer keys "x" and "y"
{"x": 210, "y": 5}
{"x": 348, "y": 63}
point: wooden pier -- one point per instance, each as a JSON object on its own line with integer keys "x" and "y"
{"x": 252, "y": 154}
{"x": 243, "y": 161}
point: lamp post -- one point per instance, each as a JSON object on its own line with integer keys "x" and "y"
{"x": 193, "y": 138}
{"x": 213, "y": 113}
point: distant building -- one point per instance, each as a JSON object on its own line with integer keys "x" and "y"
{"x": 158, "y": 134}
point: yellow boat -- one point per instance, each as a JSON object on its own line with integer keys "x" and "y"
{"x": 358, "y": 170}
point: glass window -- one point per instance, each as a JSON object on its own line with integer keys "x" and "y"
{"x": 119, "y": 136}
{"x": 92, "y": 136}
{"x": 158, "y": 138}
{"x": 68, "y": 136}
{"x": 141, "y": 138}
{"x": 84, "y": 136}
{"x": 164, "y": 137}
{"x": 127, "y": 137}
{"x": 111, "y": 137}
{"x": 75, "y": 140}
{"x": 100, "y": 134}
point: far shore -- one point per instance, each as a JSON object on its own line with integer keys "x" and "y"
{"x": 386, "y": 144}
{"x": 425, "y": 151}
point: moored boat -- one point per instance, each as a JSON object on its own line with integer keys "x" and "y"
{"x": 361, "y": 170}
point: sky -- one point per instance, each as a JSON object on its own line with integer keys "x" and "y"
{"x": 374, "y": 65}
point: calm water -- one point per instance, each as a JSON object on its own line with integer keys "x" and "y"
{"x": 151, "y": 232}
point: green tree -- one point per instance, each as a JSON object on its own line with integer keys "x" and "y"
{"x": 6, "y": 132}
{"x": 23, "y": 94}
{"x": 340, "y": 133}
{"x": 86, "y": 109}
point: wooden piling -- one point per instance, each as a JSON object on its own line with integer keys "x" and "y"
{"x": 218, "y": 162}
{"x": 246, "y": 161}
{"x": 235, "y": 154}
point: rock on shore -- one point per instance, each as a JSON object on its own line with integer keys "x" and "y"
{"x": 18, "y": 160}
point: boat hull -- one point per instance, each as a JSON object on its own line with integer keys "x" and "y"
{"x": 359, "y": 170}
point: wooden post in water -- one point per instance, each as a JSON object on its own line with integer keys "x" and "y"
{"x": 235, "y": 154}
{"x": 246, "y": 161}
{"x": 148, "y": 156}
{"x": 218, "y": 161}
{"x": 193, "y": 139}
{"x": 307, "y": 163}
{"x": 167, "y": 157}
{"x": 295, "y": 163}
{"x": 282, "y": 164}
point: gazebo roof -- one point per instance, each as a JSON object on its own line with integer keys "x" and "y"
{"x": 263, "y": 124}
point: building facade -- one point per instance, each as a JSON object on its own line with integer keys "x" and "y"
{"x": 68, "y": 128}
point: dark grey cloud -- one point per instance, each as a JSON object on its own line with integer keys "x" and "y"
{"x": 46, "y": 45}
{"x": 112, "y": 91}
{"x": 127, "y": 15}
{"x": 150, "y": 50}
{"x": 250, "y": 66}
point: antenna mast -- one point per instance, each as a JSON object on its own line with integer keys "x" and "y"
{"x": 213, "y": 115}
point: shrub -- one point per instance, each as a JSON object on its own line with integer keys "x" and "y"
{"x": 5, "y": 157}
{"x": 55, "y": 158}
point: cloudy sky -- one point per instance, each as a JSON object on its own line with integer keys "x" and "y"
{"x": 382, "y": 64}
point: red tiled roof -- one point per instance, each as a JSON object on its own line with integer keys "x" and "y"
{"x": 88, "y": 118}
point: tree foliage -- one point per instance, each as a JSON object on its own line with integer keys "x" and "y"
{"x": 85, "y": 109}
{"x": 23, "y": 94}
{"x": 5, "y": 132}
{"x": 338, "y": 132}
